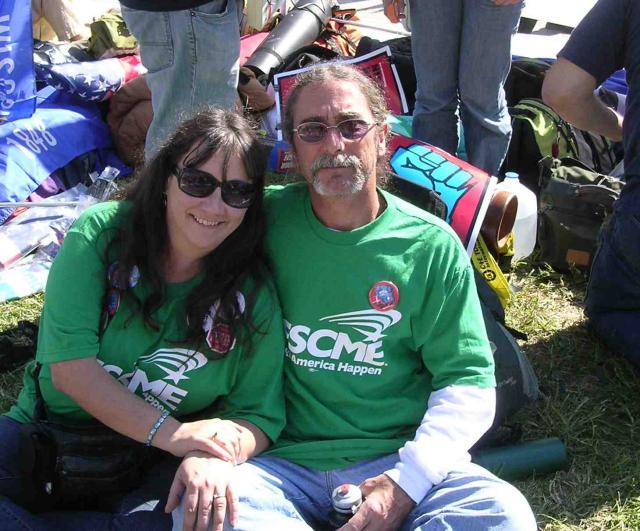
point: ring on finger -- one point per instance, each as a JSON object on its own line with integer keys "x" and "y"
{"x": 216, "y": 496}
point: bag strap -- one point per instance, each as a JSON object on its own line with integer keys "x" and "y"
{"x": 40, "y": 409}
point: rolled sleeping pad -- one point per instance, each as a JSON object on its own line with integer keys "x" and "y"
{"x": 300, "y": 27}
{"x": 520, "y": 461}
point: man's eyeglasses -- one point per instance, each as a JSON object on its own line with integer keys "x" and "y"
{"x": 198, "y": 183}
{"x": 352, "y": 129}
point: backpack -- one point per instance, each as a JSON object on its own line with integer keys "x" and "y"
{"x": 574, "y": 202}
{"x": 538, "y": 132}
{"x": 110, "y": 36}
{"x": 525, "y": 79}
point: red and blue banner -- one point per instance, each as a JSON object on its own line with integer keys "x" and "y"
{"x": 17, "y": 81}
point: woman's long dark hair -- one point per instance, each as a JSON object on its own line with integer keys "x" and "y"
{"x": 143, "y": 241}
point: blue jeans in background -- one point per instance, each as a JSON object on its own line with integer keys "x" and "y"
{"x": 462, "y": 55}
{"x": 613, "y": 294}
{"x": 141, "y": 509}
{"x": 192, "y": 57}
{"x": 277, "y": 494}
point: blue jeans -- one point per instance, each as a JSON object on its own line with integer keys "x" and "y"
{"x": 613, "y": 294}
{"x": 141, "y": 509}
{"x": 192, "y": 58}
{"x": 277, "y": 494}
{"x": 462, "y": 55}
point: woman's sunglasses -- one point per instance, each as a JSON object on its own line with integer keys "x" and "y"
{"x": 352, "y": 129}
{"x": 198, "y": 183}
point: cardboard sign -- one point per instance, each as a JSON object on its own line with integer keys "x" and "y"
{"x": 465, "y": 189}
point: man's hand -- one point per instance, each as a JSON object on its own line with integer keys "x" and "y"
{"x": 385, "y": 508}
{"x": 208, "y": 497}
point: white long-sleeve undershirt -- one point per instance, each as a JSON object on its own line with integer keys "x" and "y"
{"x": 457, "y": 416}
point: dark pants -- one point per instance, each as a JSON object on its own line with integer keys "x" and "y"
{"x": 613, "y": 295}
{"x": 141, "y": 509}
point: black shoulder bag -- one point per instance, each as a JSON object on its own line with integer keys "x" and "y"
{"x": 76, "y": 466}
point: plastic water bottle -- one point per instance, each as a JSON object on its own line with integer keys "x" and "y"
{"x": 526, "y": 224}
{"x": 346, "y": 500}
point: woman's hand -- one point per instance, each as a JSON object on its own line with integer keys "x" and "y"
{"x": 208, "y": 496}
{"x": 220, "y": 438}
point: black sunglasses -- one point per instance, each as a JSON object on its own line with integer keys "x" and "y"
{"x": 352, "y": 129}
{"x": 198, "y": 183}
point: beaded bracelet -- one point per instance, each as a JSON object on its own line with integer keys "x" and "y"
{"x": 156, "y": 427}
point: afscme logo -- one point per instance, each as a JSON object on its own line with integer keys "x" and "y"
{"x": 325, "y": 343}
{"x": 175, "y": 363}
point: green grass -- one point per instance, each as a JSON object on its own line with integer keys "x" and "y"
{"x": 589, "y": 399}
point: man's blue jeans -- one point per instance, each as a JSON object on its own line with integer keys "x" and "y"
{"x": 613, "y": 295}
{"x": 277, "y": 494}
{"x": 462, "y": 55}
{"x": 192, "y": 58}
{"x": 141, "y": 509}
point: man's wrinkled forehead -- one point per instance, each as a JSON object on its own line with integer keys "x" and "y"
{"x": 330, "y": 102}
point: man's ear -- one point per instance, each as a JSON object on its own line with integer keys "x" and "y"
{"x": 383, "y": 132}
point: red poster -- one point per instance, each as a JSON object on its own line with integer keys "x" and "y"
{"x": 377, "y": 65}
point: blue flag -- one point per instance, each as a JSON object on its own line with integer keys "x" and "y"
{"x": 17, "y": 81}
{"x": 61, "y": 129}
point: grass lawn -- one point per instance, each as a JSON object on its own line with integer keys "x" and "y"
{"x": 589, "y": 400}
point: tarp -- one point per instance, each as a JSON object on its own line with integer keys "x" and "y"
{"x": 61, "y": 129}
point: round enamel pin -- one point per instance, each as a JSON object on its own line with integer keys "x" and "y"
{"x": 113, "y": 302}
{"x": 220, "y": 338}
{"x": 384, "y": 295}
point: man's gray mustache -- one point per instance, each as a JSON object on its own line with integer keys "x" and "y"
{"x": 336, "y": 161}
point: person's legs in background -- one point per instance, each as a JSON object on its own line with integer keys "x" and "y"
{"x": 435, "y": 45}
{"x": 613, "y": 294}
{"x": 485, "y": 59}
{"x": 61, "y": 17}
{"x": 192, "y": 58}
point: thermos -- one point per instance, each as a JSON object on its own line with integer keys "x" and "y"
{"x": 346, "y": 500}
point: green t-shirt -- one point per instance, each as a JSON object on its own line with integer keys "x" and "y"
{"x": 359, "y": 373}
{"x": 171, "y": 375}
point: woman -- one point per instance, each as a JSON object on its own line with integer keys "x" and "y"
{"x": 157, "y": 308}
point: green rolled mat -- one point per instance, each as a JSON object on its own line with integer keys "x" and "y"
{"x": 520, "y": 461}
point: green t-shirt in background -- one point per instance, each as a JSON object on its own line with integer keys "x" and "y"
{"x": 171, "y": 375}
{"x": 357, "y": 379}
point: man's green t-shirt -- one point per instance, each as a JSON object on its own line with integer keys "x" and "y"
{"x": 154, "y": 364}
{"x": 376, "y": 318}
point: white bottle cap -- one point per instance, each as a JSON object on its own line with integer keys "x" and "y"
{"x": 346, "y": 498}
{"x": 511, "y": 175}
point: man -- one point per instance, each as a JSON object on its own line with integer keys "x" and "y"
{"x": 381, "y": 316}
{"x": 462, "y": 53}
{"x": 191, "y": 49}
{"x": 606, "y": 40}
